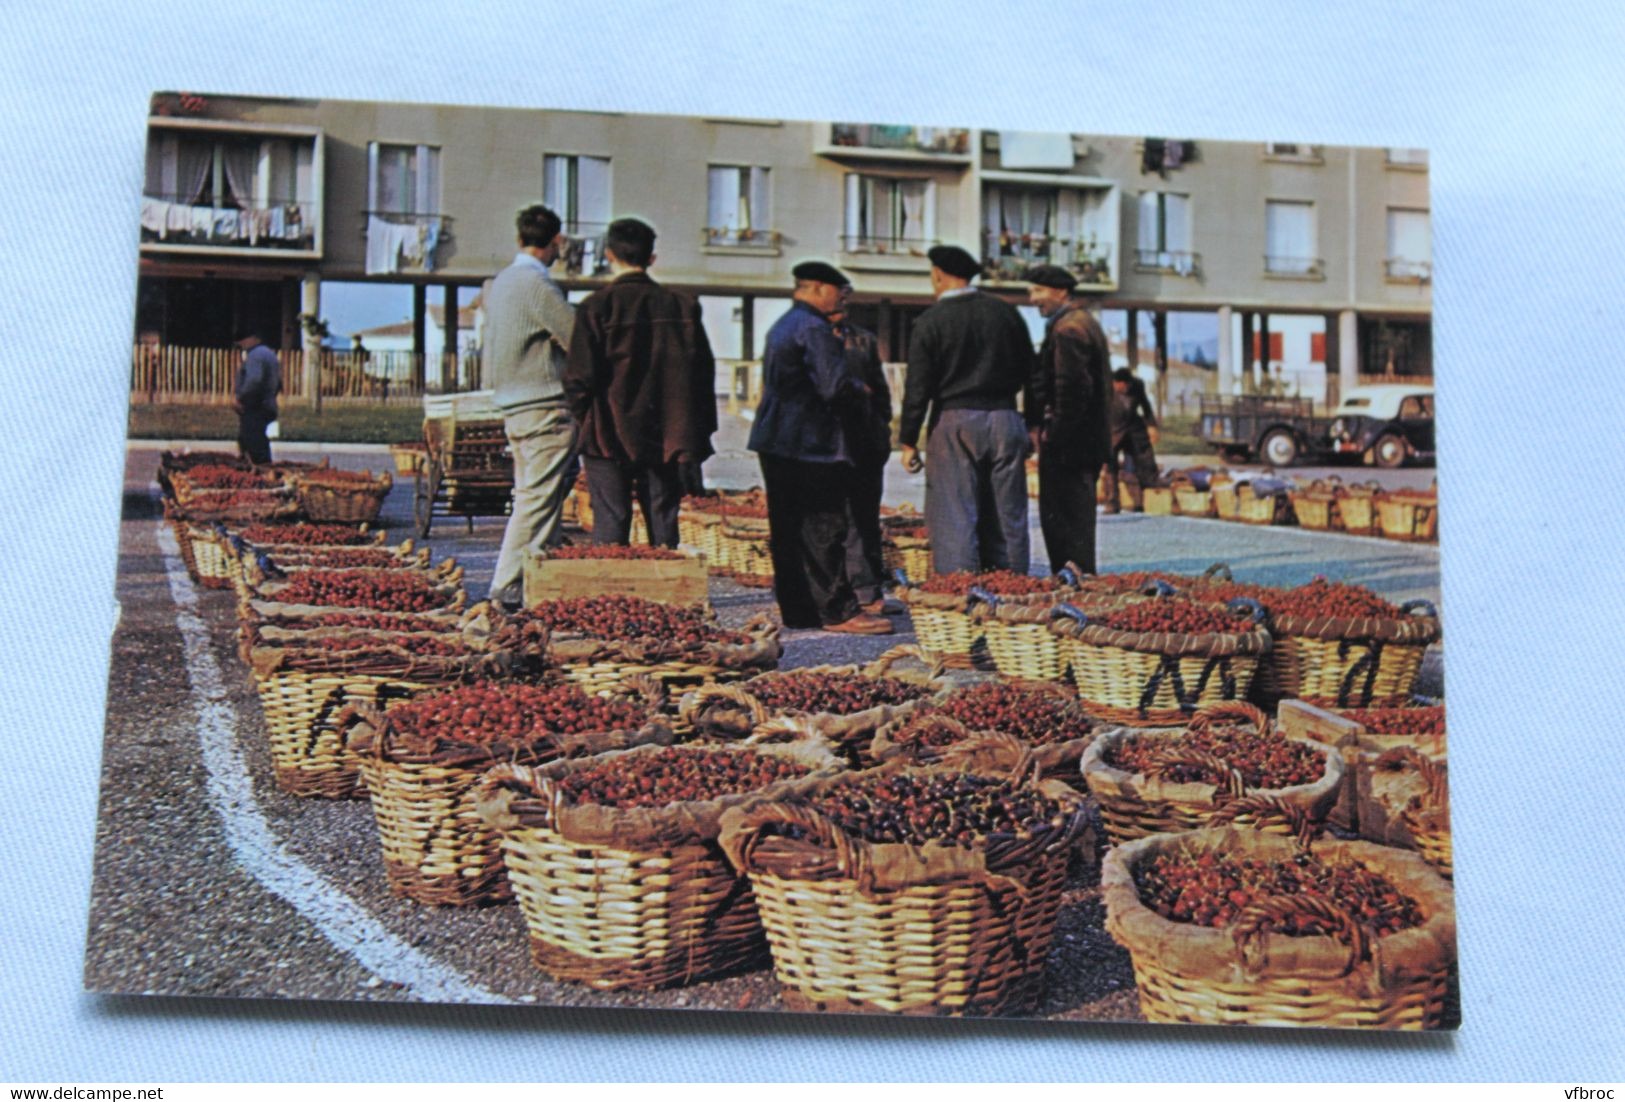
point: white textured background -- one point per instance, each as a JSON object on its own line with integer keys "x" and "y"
{"x": 1521, "y": 109}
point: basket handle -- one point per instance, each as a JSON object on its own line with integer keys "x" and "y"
{"x": 1432, "y": 776}
{"x": 1158, "y": 587}
{"x": 978, "y": 595}
{"x": 1247, "y": 604}
{"x": 1230, "y": 784}
{"x": 652, "y": 689}
{"x": 902, "y": 578}
{"x": 880, "y": 666}
{"x": 1069, "y": 575}
{"x": 695, "y": 702}
{"x": 911, "y": 732}
{"x": 768, "y": 731}
{"x": 1261, "y": 810}
{"x": 1068, "y": 611}
{"x": 1025, "y": 771}
{"x": 740, "y": 843}
{"x": 1231, "y": 709}
{"x": 1279, "y": 911}
{"x": 1219, "y": 570}
{"x": 1427, "y": 608}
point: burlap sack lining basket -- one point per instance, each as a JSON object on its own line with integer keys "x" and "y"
{"x": 204, "y": 499}
{"x": 1135, "y": 805}
{"x": 251, "y": 578}
{"x": 943, "y": 623}
{"x": 900, "y": 929}
{"x": 235, "y": 547}
{"x": 1157, "y": 678}
{"x": 1426, "y": 817}
{"x": 436, "y": 848}
{"x": 602, "y": 664}
{"x": 1272, "y": 507}
{"x": 1339, "y": 662}
{"x": 731, "y": 711}
{"x": 201, "y": 550}
{"x": 1193, "y": 496}
{"x": 1190, "y": 973}
{"x": 453, "y": 598}
{"x": 638, "y": 898}
{"x": 982, "y": 750}
{"x": 328, "y": 500}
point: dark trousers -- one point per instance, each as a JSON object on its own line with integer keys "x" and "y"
{"x": 976, "y": 491}
{"x": 1066, "y": 510}
{"x": 1134, "y": 444}
{"x": 251, "y": 438}
{"x": 807, "y": 526}
{"x": 865, "y": 561}
{"x": 612, "y": 485}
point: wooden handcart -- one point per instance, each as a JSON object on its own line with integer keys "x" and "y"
{"x": 466, "y": 469}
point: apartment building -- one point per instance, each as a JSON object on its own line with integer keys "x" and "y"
{"x": 251, "y": 204}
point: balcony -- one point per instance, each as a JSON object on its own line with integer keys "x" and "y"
{"x": 873, "y": 141}
{"x": 583, "y": 253}
{"x": 1294, "y": 267}
{"x": 1007, "y": 256}
{"x": 169, "y": 224}
{"x": 1168, "y": 262}
{"x": 1406, "y": 160}
{"x": 728, "y": 240}
{"x": 1399, "y": 269}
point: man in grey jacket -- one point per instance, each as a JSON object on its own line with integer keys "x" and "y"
{"x": 528, "y": 325}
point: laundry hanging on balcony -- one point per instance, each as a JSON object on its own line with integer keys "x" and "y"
{"x": 390, "y": 245}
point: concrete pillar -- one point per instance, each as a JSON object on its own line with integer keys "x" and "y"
{"x": 310, "y": 303}
{"x": 1265, "y": 378}
{"x": 747, "y": 327}
{"x": 1330, "y": 364}
{"x": 420, "y": 310}
{"x": 1348, "y": 350}
{"x": 1247, "y": 352}
{"x": 1131, "y": 339}
{"x": 449, "y": 380}
{"x": 1159, "y": 330}
{"x": 1227, "y": 352}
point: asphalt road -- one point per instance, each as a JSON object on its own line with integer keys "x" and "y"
{"x": 209, "y": 881}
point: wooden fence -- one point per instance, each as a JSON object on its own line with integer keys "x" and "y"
{"x": 207, "y": 376}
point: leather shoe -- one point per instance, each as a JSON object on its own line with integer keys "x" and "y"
{"x": 882, "y": 607}
{"x": 862, "y": 624}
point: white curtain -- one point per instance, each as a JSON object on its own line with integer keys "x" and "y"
{"x": 194, "y": 161}
{"x": 853, "y": 228}
{"x": 394, "y": 191}
{"x": 426, "y": 198}
{"x": 1289, "y": 234}
{"x": 722, "y": 199}
{"x": 556, "y": 185}
{"x": 760, "y": 213}
{"x": 1149, "y": 240}
{"x": 239, "y": 162}
{"x": 993, "y": 218}
{"x": 592, "y": 190}
{"x": 1176, "y": 222}
{"x": 913, "y": 199}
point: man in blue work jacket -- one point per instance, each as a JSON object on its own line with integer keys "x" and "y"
{"x": 801, "y": 435}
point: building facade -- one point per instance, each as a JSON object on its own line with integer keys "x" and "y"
{"x": 251, "y": 204}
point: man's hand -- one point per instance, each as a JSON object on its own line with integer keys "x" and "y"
{"x": 1155, "y": 434}
{"x": 1034, "y": 438}
{"x": 237, "y": 406}
{"x": 912, "y": 463}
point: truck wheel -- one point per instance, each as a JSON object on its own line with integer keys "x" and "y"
{"x": 1389, "y": 450}
{"x": 1279, "y": 448}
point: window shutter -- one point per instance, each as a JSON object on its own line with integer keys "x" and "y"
{"x": 592, "y": 190}
{"x": 372, "y": 176}
{"x": 722, "y": 198}
{"x": 1176, "y": 221}
{"x": 1149, "y": 240}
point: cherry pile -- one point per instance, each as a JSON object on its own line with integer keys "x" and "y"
{"x": 951, "y": 808}
{"x": 305, "y": 534}
{"x": 1170, "y": 614}
{"x": 611, "y": 551}
{"x": 395, "y": 590}
{"x": 1211, "y": 890}
{"x": 488, "y": 713}
{"x": 335, "y": 476}
{"x": 917, "y": 532}
{"x": 1318, "y": 599}
{"x": 1265, "y": 760}
{"x": 1399, "y": 721}
{"x": 615, "y": 617}
{"x": 245, "y": 499}
{"x": 376, "y": 621}
{"x": 834, "y": 694}
{"x": 214, "y": 477}
{"x": 1002, "y": 583}
{"x": 1035, "y": 716}
{"x": 673, "y": 775}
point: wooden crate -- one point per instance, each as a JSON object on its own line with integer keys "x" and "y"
{"x": 668, "y": 581}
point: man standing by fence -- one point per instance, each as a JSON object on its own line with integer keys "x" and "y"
{"x": 528, "y": 326}
{"x": 259, "y": 380}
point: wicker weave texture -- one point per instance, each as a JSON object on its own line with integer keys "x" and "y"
{"x": 1339, "y": 673}
{"x": 947, "y": 632}
{"x": 1324, "y": 1002}
{"x": 331, "y": 504}
{"x": 1159, "y": 501}
{"x": 615, "y": 918}
{"x": 1023, "y": 650}
{"x": 959, "y": 948}
{"x": 1408, "y": 519}
{"x": 307, "y": 748}
{"x": 1116, "y": 684}
{"x": 1193, "y": 503}
{"x": 437, "y": 849}
{"x": 211, "y": 566}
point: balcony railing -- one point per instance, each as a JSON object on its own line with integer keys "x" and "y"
{"x": 724, "y": 237}
{"x": 1007, "y": 256}
{"x": 1400, "y": 269}
{"x": 1167, "y": 261}
{"x": 278, "y": 224}
{"x": 882, "y": 245}
{"x": 1300, "y": 267}
{"x": 397, "y": 240}
{"x": 583, "y": 252}
{"x": 947, "y": 141}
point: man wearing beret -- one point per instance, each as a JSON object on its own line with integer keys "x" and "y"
{"x": 259, "y": 379}
{"x": 1067, "y": 414}
{"x": 869, "y": 433}
{"x": 970, "y": 355}
{"x": 803, "y": 435}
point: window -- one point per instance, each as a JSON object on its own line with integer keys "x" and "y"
{"x": 1289, "y": 238}
{"x": 737, "y": 211}
{"x": 1164, "y": 241}
{"x": 577, "y": 190}
{"x": 229, "y": 189}
{"x": 889, "y": 215}
{"x": 403, "y": 179}
{"x": 1410, "y": 248}
{"x": 1021, "y": 227}
{"x": 1292, "y": 151}
{"x": 1408, "y": 158}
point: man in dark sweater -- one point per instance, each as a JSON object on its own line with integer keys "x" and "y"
{"x": 969, "y": 357}
{"x": 1067, "y": 415}
{"x": 641, "y": 384}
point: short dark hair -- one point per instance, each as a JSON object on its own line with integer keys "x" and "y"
{"x": 538, "y": 226}
{"x": 1123, "y": 375}
{"x": 632, "y": 242}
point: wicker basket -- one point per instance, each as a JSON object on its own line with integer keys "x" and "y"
{"x": 601, "y": 665}
{"x": 1357, "y": 511}
{"x": 745, "y": 546}
{"x": 262, "y": 568}
{"x": 1135, "y": 805}
{"x": 1193, "y": 492}
{"x": 1238, "y": 976}
{"x": 945, "y": 626}
{"x": 1018, "y": 638}
{"x": 1159, "y": 678}
{"x": 1032, "y": 478}
{"x": 901, "y": 929}
{"x": 637, "y": 898}
{"x": 205, "y": 552}
{"x": 1315, "y": 505}
{"x": 436, "y": 847}
{"x": 1347, "y": 663}
{"x": 731, "y": 711}
{"x": 703, "y": 532}
{"x": 1411, "y": 517}
{"x": 325, "y": 497}
{"x": 981, "y": 750}
{"x": 1158, "y": 501}
{"x": 1225, "y": 496}
{"x": 1263, "y": 501}
{"x": 409, "y": 455}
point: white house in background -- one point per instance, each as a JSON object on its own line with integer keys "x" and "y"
{"x": 398, "y": 337}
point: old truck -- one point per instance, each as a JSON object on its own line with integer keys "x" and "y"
{"x": 1277, "y": 431}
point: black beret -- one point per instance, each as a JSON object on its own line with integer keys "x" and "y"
{"x": 820, "y": 272}
{"x": 1051, "y": 275}
{"x": 955, "y": 261}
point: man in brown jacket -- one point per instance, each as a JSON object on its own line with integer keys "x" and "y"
{"x": 641, "y": 387}
{"x": 1067, "y": 408}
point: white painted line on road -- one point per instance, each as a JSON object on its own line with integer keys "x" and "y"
{"x": 337, "y": 917}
